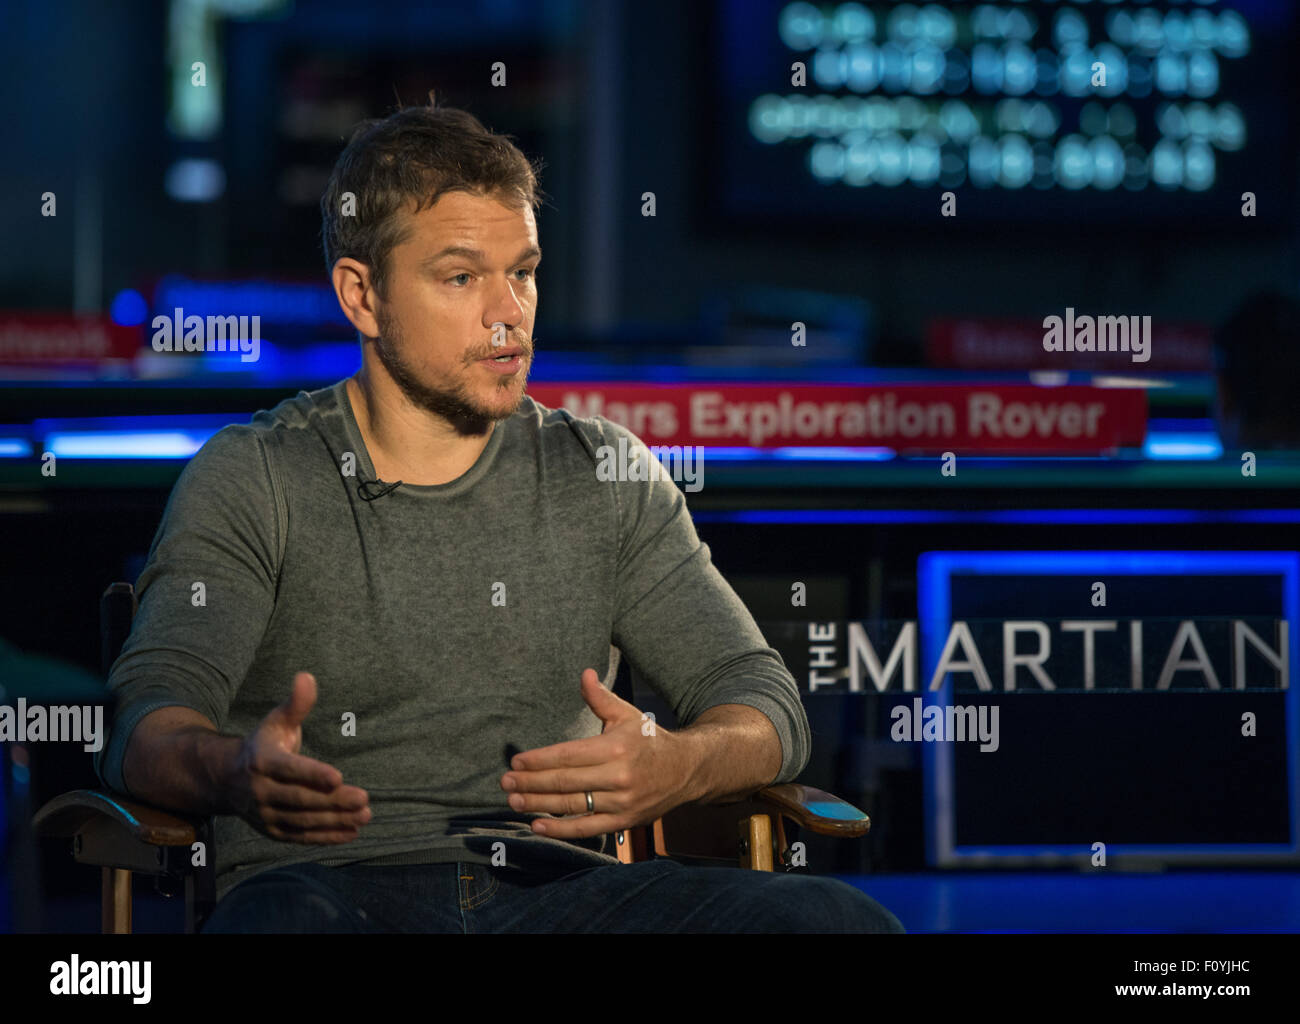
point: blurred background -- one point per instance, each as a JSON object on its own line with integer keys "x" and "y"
{"x": 873, "y": 202}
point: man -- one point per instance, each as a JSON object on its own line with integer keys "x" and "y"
{"x": 377, "y": 625}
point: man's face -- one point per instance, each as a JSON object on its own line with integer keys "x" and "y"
{"x": 468, "y": 265}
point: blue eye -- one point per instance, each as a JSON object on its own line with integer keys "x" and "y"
{"x": 458, "y": 276}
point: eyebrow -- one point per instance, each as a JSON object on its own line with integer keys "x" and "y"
{"x": 476, "y": 255}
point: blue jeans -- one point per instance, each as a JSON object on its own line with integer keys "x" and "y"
{"x": 650, "y": 896}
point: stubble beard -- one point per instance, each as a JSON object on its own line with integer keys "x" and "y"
{"x": 455, "y": 404}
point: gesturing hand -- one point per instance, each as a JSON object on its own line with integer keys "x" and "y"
{"x": 635, "y": 770}
{"x": 288, "y": 796}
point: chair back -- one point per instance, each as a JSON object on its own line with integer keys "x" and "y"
{"x": 117, "y": 608}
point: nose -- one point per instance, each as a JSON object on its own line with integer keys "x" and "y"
{"x": 505, "y": 309}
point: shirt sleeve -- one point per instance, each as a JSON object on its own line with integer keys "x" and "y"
{"x": 680, "y": 624}
{"x": 205, "y": 595}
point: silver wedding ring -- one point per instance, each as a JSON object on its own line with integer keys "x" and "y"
{"x": 591, "y": 804}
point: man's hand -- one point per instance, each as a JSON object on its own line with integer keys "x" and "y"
{"x": 636, "y": 772}
{"x": 290, "y": 797}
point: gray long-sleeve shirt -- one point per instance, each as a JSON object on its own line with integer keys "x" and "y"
{"x": 445, "y": 625}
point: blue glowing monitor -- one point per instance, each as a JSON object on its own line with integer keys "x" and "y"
{"x": 1131, "y": 706}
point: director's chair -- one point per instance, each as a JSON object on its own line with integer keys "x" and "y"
{"x": 123, "y": 836}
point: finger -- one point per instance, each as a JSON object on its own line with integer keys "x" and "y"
{"x": 291, "y": 797}
{"x": 581, "y": 827}
{"x": 306, "y": 771}
{"x": 305, "y": 821}
{"x": 565, "y": 780}
{"x": 570, "y": 754}
{"x": 317, "y": 836}
{"x": 568, "y": 803}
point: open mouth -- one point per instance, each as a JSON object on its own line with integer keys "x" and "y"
{"x": 507, "y": 363}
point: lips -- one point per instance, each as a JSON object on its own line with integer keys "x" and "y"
{"x": 508, "y": 366}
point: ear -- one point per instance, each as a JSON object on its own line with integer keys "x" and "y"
{"x": 356, "y": 295}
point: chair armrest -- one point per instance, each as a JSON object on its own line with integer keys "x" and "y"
{"x": 708, "y": 831}
{"x": 816, "y": 810}
{"x": 85, "y": 811}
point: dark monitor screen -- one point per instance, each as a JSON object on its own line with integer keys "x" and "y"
{"x": 1069, "y": 111}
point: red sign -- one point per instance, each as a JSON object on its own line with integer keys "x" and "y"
{"x": 988, "y": 343}
{"x": 906, "y": 418}
{"x": 64, "y": 338}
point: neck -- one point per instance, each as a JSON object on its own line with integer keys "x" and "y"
{"x": 406, "y": 442}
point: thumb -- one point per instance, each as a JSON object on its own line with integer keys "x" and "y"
{"x": 294, "y": 711}
{"x": 607, "y": 705}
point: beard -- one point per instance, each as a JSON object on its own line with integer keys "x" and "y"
{"x": 456, "y": 404}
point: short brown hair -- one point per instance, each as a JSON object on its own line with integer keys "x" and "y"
{"x": 414, "y": 156}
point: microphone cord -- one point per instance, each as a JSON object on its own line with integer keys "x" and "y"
{"x": 366, "y": 495}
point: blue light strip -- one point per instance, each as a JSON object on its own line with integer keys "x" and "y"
{"x": 721, "y": 454}
{"x": 303, "y": 303}
{"x": 935, "y": 570}
{"x": 124, "y": 424}
{"x": 1025, "y": 516}
{"x": 134, "y": 444}
{"x": 130, "y": 437}
{"x": 1182, "y": 446}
